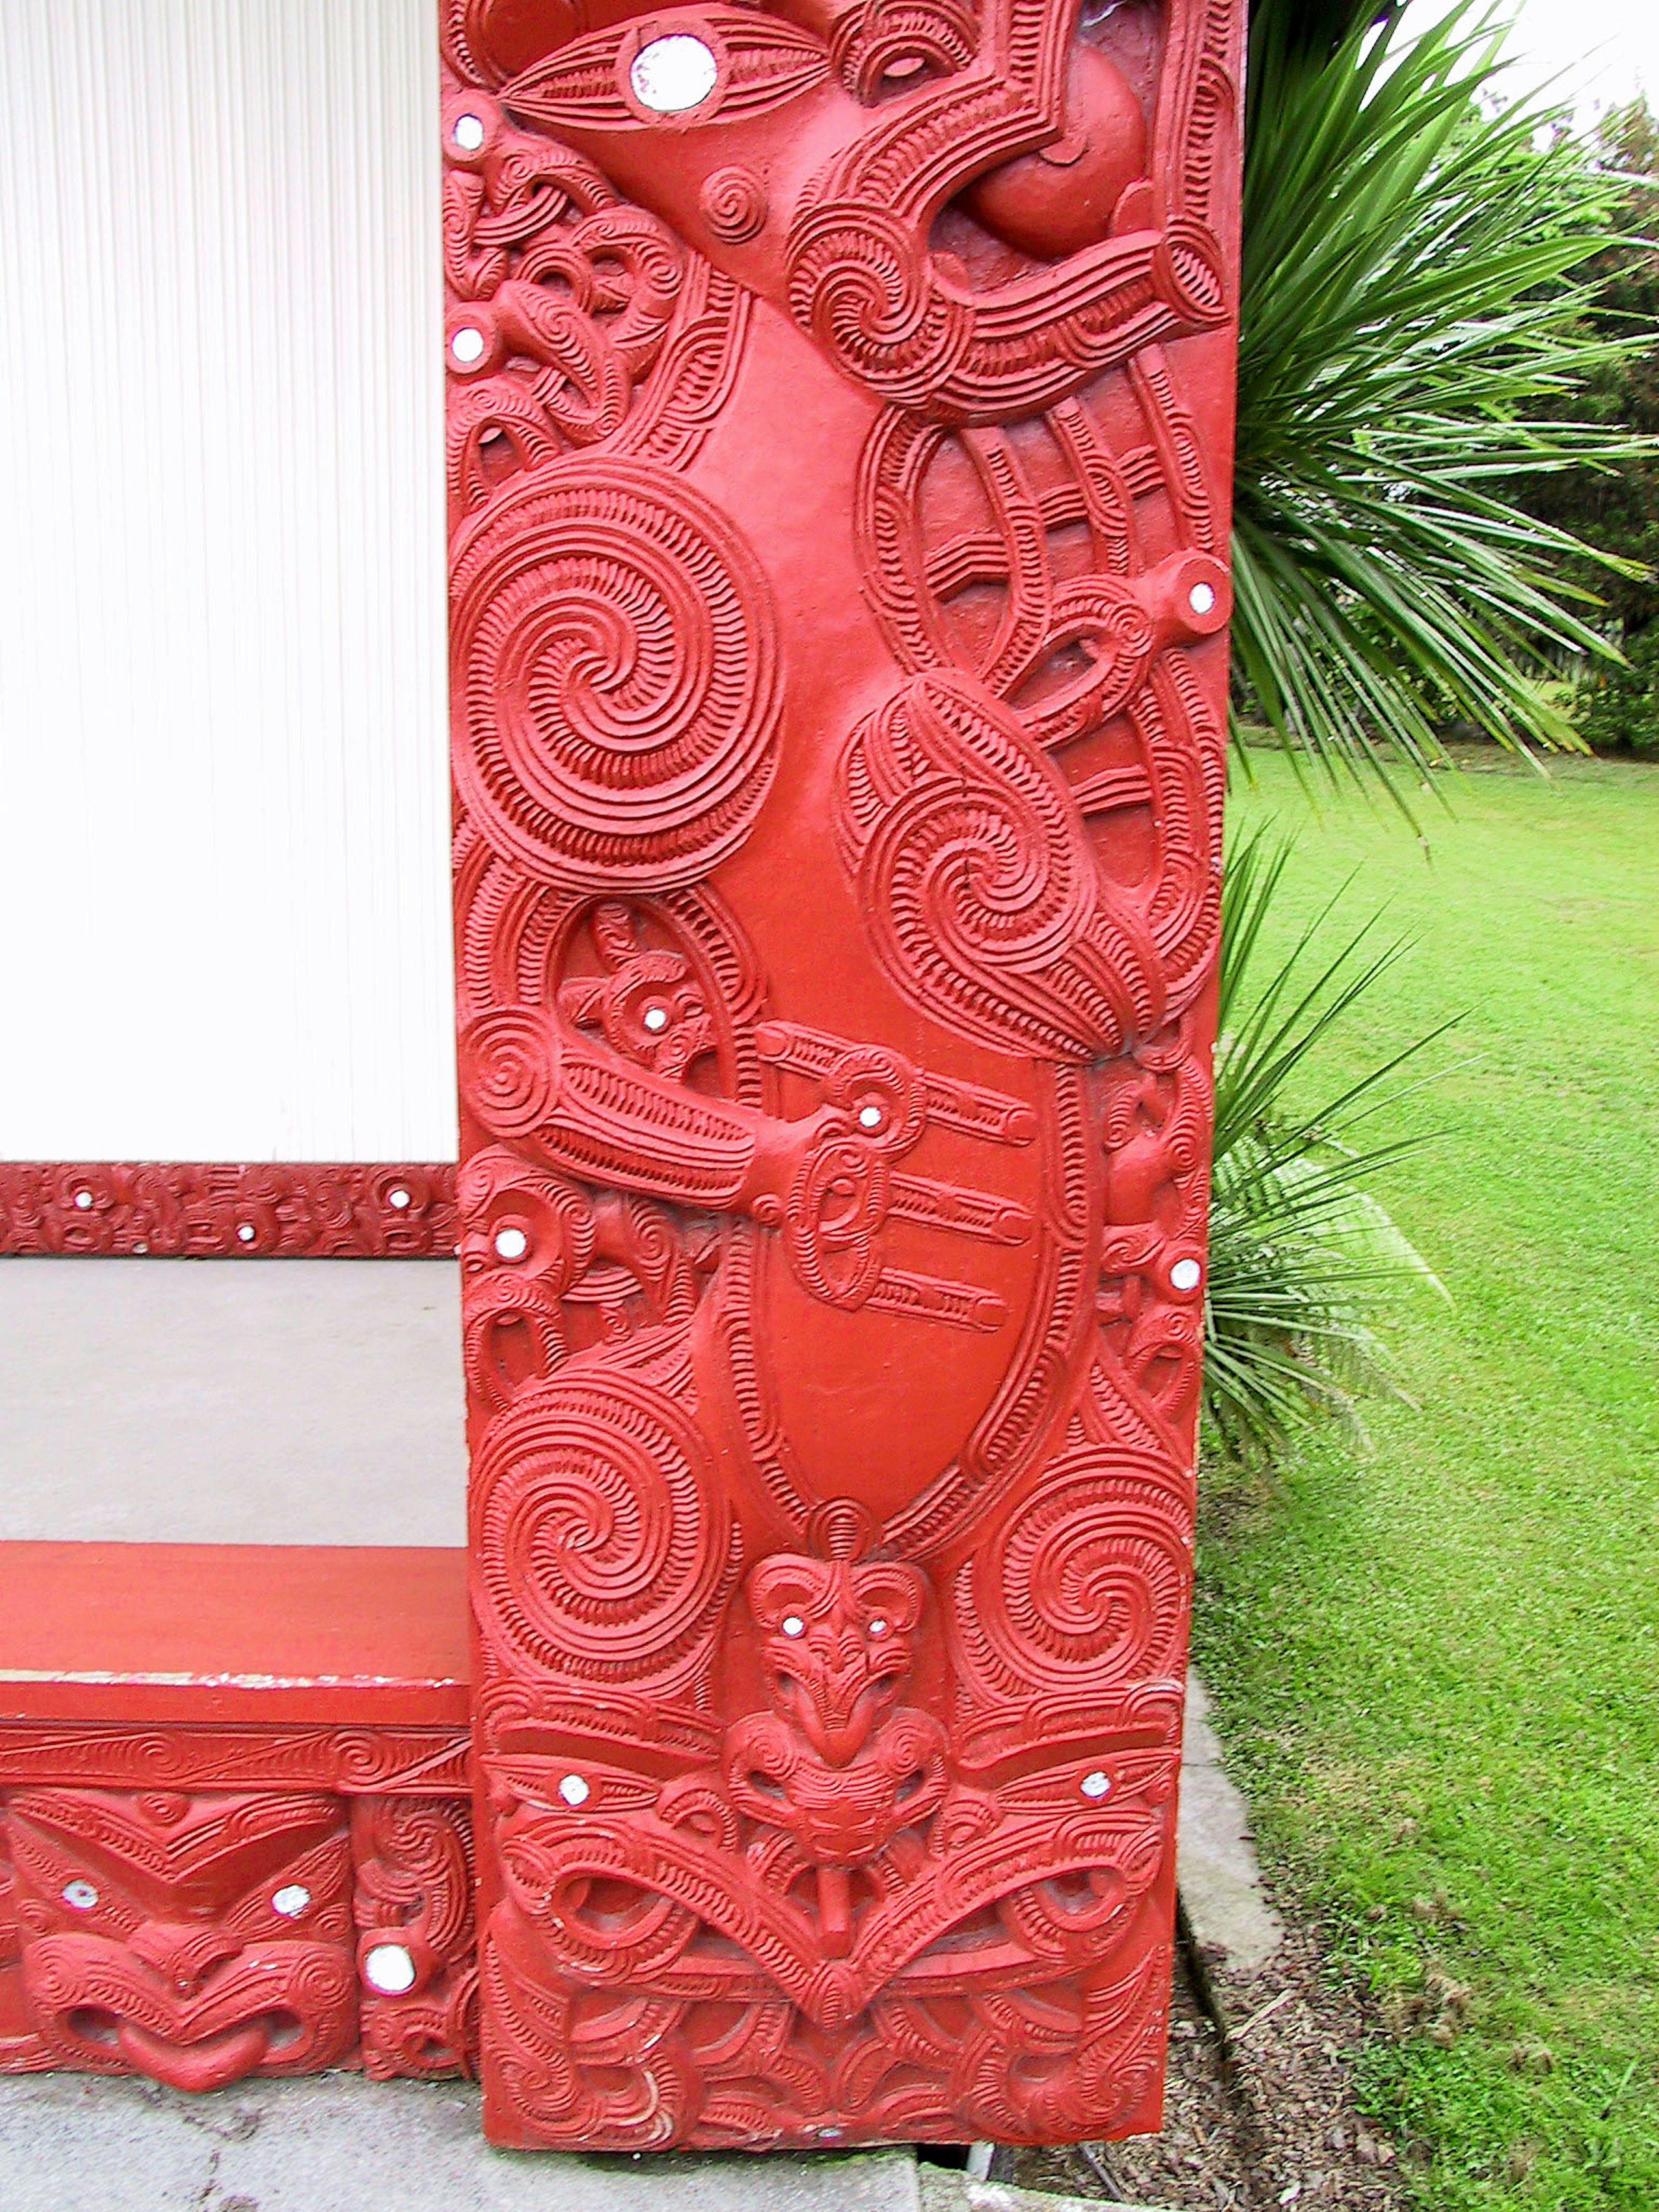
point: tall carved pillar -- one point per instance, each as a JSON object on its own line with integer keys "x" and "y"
{"x": 839, "y": 450}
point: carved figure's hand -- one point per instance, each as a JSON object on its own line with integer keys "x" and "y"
{"x": 783, "y": 1163}
{"x": 837, "y": 1209}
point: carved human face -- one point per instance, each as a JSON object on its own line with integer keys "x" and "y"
{"x": 194, "y": 1939}
{"x": 837, "y": 1642}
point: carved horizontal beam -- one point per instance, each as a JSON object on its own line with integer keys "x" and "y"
{"x": 204, "y": 1209}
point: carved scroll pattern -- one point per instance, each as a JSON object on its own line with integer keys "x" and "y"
{"x": 201, "y": 1936}
{"x": 838, "y": 485}
{"x": 412, "y": 1859}
{"x": 198, "y": 1210}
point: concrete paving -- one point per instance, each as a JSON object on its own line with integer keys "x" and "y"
{"x": 232, "y": 1402}
{"x": 944, "y": 2191}
{"x": 1217, "y": 1869}
{"x": 342, "y": 2144}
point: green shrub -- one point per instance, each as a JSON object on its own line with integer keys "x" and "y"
{"x": 1617, "y": 710}
{"x": 1419, "y": 265}
{"x": 1301, "y": 1253}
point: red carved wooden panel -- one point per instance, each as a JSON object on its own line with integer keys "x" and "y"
{"x": 839, "y": 445}
{"x": 234, "y": 1829}
{"x": 199, "y": 1936}
{"x": 416, "y": 1954}
{"x": 190, "y": 1209}
{"x": 194, "y": 1939}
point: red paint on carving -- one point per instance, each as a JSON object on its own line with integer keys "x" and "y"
{"x": 304, "y": 1209}
{"x": 195, "y": 1939}
{"x": 226, "y": 1775}
{"x": 414, "y": 1888}
{"x": 838, "y": 475}
{"x": 211, "y": 1634}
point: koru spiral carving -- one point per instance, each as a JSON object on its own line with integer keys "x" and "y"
{"x": 839, "y": 448}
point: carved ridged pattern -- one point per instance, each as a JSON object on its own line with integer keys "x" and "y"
{"x": 838, "y": 490}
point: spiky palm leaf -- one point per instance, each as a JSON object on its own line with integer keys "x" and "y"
{"x": 1300, "y": 1253}
{"x": 1409, "y": 317}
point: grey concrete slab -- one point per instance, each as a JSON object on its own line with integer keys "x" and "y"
{"x": 232, "y": 1402}
{"x": 68, "y": 2143}
{"x": 944, "y": 2191}
{"x": 1217, "y": 1869}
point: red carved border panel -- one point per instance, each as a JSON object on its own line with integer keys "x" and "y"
{"x": 198, "y": 1936}
{"x": 303, "y": 1209}
{"x": 235, "y": 1832}
{"x": 839, "y": 452}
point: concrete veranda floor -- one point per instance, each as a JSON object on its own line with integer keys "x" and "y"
{"x": 338, "y": 2143}
{"x": 232, "y": 1402}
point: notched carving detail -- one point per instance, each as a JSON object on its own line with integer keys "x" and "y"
{"x": 174, "y": 1209}
{"x": 412, "y": 1861}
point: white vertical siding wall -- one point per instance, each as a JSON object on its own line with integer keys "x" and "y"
{"x": 223, "y": 800}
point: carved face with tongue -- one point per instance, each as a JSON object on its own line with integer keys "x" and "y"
{"x": 195, "y": 1940}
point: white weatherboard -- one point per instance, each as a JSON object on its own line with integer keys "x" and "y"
{"x": 223, "y": 790}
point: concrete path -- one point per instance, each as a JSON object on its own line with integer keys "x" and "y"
{"x": 341, "y": 2144}
{"x": 1216, "y": 1865}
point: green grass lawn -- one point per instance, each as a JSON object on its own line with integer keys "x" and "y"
{"x": 1436, "y": 1660}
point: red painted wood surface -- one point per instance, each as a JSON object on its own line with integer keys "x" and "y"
{"x": 234, "y": 1833}
{"x": 261, "y": 1634}
{"x": 839, "y": 456}
{"x": 208, "y": 1209}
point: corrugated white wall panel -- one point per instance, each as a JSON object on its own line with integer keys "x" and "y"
{"x": 224, "y": 897}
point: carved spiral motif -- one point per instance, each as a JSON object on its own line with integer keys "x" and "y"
{"x": 734, "y": 204}
{"x": 509, "y": 1066}
{"x": 1085, "y": 1587}
{"x": 979, "y": 891}
{"x": 629, "y": 1932}
{"x": 602, "y": 1534}
{"x": 983, "y": 858}
{"x": 987, "y": 880}
{"x": 859, "y": 283}
{"x": 615, "y": 678}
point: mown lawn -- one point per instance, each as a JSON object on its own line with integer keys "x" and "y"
{"x": 1436, "y": 1660}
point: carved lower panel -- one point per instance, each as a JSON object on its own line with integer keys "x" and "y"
{"x": 199, "y": 1903}
{"x": 201, "y": 1936}
{"x": 899, "y": 1960}
{"x": 839, "y": 427}
{"x": 308, "y": 1209}
{"x": 412, "y": 1859}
